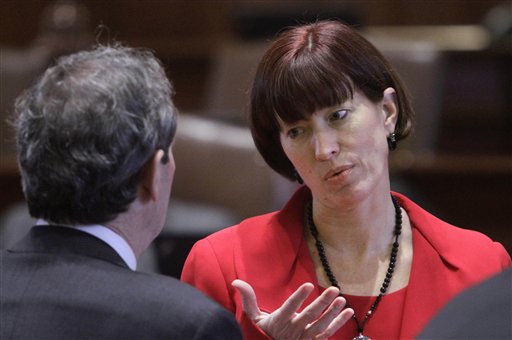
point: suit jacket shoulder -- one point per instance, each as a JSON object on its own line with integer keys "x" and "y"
{"x": 487, "y": 312}
{"x": 62, "y": 283}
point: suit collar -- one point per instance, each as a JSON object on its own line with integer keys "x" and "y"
{"x": 428, "y": 225}
{"x": 273, "y": 253}
{"x": 432, "y": 229}
{"x": 289, "y": 227}
{"x": 290, "y": 220}
{"x": 61, "y": 240}
{"x": 288, "y": 239}
{"x": 431, "y": 256}
{"x": 107, "y": 235}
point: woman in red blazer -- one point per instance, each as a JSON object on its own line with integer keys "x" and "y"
{"x": 326, "y": 109}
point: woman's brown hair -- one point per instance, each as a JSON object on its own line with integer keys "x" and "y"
{"x": 311, "y": 67}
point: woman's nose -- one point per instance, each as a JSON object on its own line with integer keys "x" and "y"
{"x": 326, "y": 145}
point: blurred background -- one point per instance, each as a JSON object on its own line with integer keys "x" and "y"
{"x": 455, "y": 56}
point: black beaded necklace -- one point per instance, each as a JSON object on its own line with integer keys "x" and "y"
{"x": 332, "y": 278}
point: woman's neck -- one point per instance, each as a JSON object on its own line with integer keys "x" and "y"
{"x": 357, "y": 240}
{"x": 359, "y": 228}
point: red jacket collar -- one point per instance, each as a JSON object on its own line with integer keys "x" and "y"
{"x": 293, "y": 214}
{"x": 431, "y": 228}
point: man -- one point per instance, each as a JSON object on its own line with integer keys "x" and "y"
{"x": 483, "y": 311}
{"x": 94, "y": 139}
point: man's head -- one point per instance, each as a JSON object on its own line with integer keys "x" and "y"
{"x": 87, "y": 130}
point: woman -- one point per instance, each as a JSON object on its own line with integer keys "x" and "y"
{"x": 326, "y": 108}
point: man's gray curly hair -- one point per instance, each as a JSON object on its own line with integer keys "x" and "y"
{"x": 87, "y": 128}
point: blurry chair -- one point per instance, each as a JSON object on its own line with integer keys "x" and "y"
{"x": 218, "y": 164}
{"x": 64, "y": 27}
{"x": 229, "y": 83}
{"x": 220, "y": 179}
{"x": 15, "y": 222}
{"x": 420, "y": 65}
{"x": 498, "y": 21}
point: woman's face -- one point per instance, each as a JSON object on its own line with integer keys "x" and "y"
{"x": 341, "y": 152}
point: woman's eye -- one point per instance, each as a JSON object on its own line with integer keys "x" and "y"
{"x": 294, "y": 132}
{"x": 338, "y": 115}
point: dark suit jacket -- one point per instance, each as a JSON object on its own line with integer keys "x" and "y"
{"x": 63, "y": 283}
{"x": 481, "y": 312}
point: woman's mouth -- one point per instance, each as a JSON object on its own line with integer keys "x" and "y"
{"x": 337, "y": 173}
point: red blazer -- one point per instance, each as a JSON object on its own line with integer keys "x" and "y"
{"x": 271, "y": 254}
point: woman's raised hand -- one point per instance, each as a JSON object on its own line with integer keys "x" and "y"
{"x": 319, "y": 320}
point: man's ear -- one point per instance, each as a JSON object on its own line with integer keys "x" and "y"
{"x": 151, "y": 176}
{"x": 390, "y": 109}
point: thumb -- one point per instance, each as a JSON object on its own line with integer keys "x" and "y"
{"x": 249, "y": 301}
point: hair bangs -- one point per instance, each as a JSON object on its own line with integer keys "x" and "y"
{"x": 309, "y": 83}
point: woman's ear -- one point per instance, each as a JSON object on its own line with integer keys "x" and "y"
{"x": 390, "y": 109}
{"x": 151, "y": 177}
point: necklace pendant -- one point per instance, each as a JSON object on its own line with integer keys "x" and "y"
{"x": 361, "y": 337}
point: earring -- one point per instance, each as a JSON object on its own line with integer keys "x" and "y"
{"x": 392, "y": 141}
{"x": 297, "y": 177}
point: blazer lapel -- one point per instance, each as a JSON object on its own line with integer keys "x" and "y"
{"x": 428, "y": 288}
{"x": 275, "y": 274}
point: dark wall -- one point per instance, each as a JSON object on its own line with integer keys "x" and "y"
{"x": 184, "y": 33}
{"x": 135, "y": 19}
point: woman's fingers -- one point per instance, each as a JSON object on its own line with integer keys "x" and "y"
{"x": 338, "y": 322}
{"x": 327, "y": 317}
{"x": 249, "y": 302}
{"x": 330, "y": 321}
{"x": 319, "y": 320}
{"x": 313, "y": 311}
{"x": 293, "y": 303}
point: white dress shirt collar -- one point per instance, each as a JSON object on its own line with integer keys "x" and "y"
{"x": 114, "y": 240}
